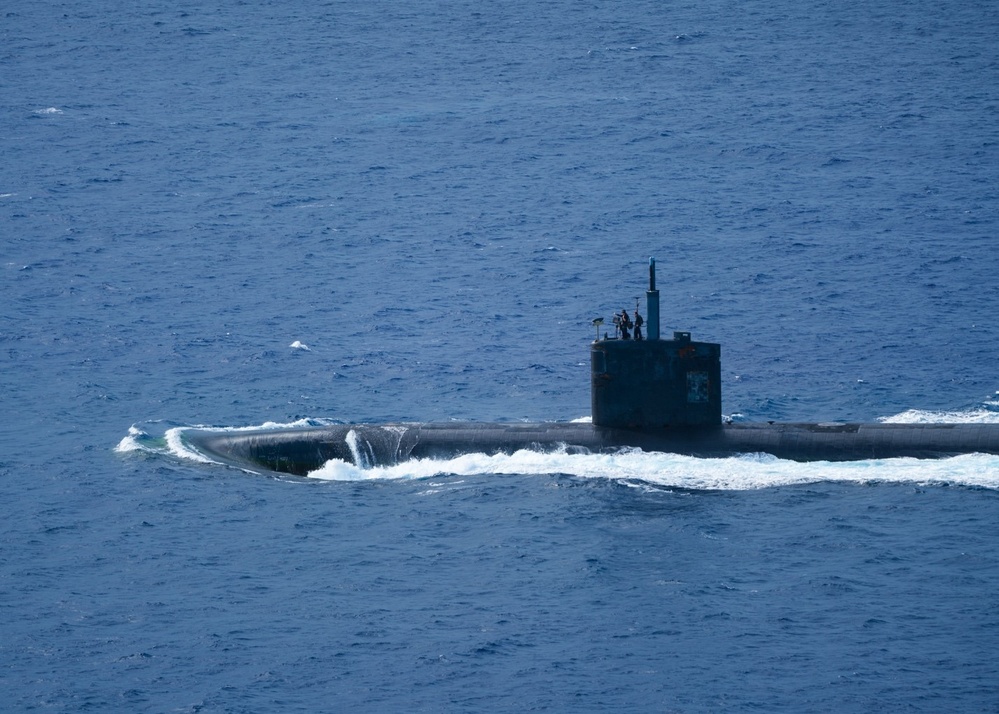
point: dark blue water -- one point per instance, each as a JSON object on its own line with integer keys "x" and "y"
{"x": 243, "y": 213}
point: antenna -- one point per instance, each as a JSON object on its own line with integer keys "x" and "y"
{"x": 652, "y": 303}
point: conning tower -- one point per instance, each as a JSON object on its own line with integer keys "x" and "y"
{"x": 655, "y": 383}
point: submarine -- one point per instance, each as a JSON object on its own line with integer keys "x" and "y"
{"x": 653, "y": 394}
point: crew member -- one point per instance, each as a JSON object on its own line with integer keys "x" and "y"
{"x": 638, "y": 325}
{"x": 625, "y": 325}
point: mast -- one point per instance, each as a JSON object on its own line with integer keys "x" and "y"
{"x": 652, "y": 303}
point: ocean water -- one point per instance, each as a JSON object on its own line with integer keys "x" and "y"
{"x": 236, "y": 214}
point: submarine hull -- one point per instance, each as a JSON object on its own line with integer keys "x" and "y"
{"x": 300, "y": 450}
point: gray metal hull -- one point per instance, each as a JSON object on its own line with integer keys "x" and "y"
{"x": 301, "y": 450}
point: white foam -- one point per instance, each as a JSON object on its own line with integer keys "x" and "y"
{"x": 751, "y": 471}
{"x": 130, "y": 442}
{"x": 298, "y": 345}
{"x": 265, "y": 426}
{"x": 353, "y": 443}
{"x": 48, "y": 110}
{"x": 919, "y": 416}
{"x": 177, "y": 447}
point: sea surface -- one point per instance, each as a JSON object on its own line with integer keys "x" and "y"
{"x": 235, "y": 214}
